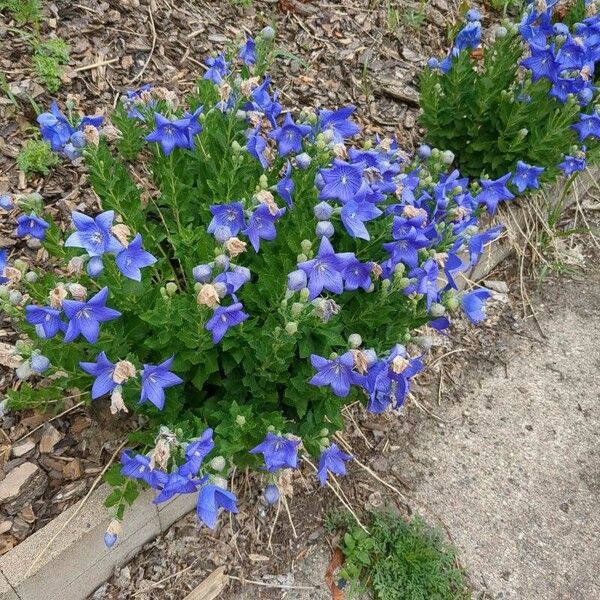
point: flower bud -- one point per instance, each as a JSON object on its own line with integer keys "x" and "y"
{"x": 6, "y": 202}
{"x": 21, "y": 265}
{"x": 217, "y": 463}
{"x": 423, "y": 151}
{"x": 304, "y": 294}
{"x": 291, "y": 328}
{"x": 15, "y": 297}
{"x": 271, "y": 493}
{"x": 303, "y": 161}
{"x": 437, "y": 310}
{"x": 221, "y": 289}
{"x": 403, "y": 283}
{"x": 354, "y": 340}
{"x": 202, "y": 273}
{"x": 324, "y": 229}
{"x": 171, "y": 288}
{"x": 24, "y": 371}
{"x": 208, "y": 295}
{"x": 267, "y": 33}
{"x": 473, "y": 15}
{"x": 235, "y": 145}
{"x": 301, "y": 258}
{"x": 95, "y": 266}
{"x": 75, "y": 266}
{"x": 297, "y": 309}
{"x": 31, "y": 277}
{"x": 296, "y": 280}
{"x": 112, "y": 533}
{"x": 220, "y": 482}
{"x": 447, "y": 157}
{"x": 323, "y": 211}
{"x": 39, "y": 364}
{"x": 222, "y": 234}
{"x": 284, "y": 303}
{"x": 500, "y": 32}
{"x": 222, "y": 261}
{"x": 3, "y": 292}
{"x": 306, "y": 246}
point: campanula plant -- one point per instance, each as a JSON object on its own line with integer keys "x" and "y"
{"x": 246, "y": 273}
{"x": 522, "y": 102}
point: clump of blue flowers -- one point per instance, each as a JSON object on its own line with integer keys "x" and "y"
{"x": 246, "y": 274}
{"x": 522, "y": 108}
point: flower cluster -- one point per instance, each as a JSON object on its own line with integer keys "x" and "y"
{"x": 63, "y": 137}
{"x": 526, "y": 98}
{"x": 282, "y": 268}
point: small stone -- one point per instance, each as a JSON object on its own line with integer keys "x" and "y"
{"x": 5, "y": 526}
{"x": 7, "y": 542}
{"x": 50, "y": 438}
{"x": 497, "y": 286}
{"x": 72, "y": 469}
{"x": 22, "y": 448}
{"x": 22, "y": 485}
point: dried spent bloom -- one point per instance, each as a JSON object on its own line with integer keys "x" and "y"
{"x": 117, "y": 403}
{"x": 13, "y": 275}
{"x": 265, "y": 197}
{"x": 75, "y": 266}
{"x": 124, "y": 370}
{"x": 161, "y": 454}
{"x": 361, "y": 362}
{"x": 121, "y": 232}
{"x": 249, "y": 85}
{"x": 208, "y": 295}
{"x": 91, "y": 135}
{"x": 235, "y": 246}
{"x": 57, "y": 295}
{"x": 168, "y": 96}
{"x": 399, "y": 364}
{"x": 77, "y": 291}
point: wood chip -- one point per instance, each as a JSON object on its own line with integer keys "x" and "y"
{"x": 211, "y": 587}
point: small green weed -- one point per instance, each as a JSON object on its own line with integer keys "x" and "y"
{"x": 398, "y": 19}
{"x": 49, "y": 57}
{"x": 23, "y": 11}
{"x": 401, "y": 560}
{"x": 37, "y": 157}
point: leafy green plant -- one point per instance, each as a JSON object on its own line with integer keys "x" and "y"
{"x": 497, "y": 104}
{"x": 36, "y": 156}
{"x": 400, "y": 560}
{"x": 23, "y": 11}
{"x": 49, "y": 57}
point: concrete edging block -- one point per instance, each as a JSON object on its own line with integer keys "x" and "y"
{"x": 77, "y": 561}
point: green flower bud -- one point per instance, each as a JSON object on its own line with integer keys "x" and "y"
{"x": 202, "y": 117}
{"x": 447, "y": 157}
{"x": 263, "y": 181}
{"x": 291, "y": 327}
{"x": 368, "y": 145}
{"x": 324, "y": 432}
{"x": 21, "y": 265}
{"x": 452, "y": 302}
{"x": 304, "y": 294}
{"x": 437, "y": 310}
{"x": 171, "y": 288}
{"x": 523, "y": 132}
{"x": 3, "y": 292}
{"x": 31, "y": 277}
{"x": 324, "y": 442}
{"x": 240, "y": 420}
{"x": 301, "y": 258}
{"x": 218, "y": 463}
{"x": 399, "y": 269}
{"x": 283, "y": 303}
{"x": 163, "y": 293}
{"x": 306, "y": 246}
{"x": 271, "y": 428}
{"x": 385, "y": 285}
{"x": 403, "y": 283}
{"x": 435, "y": 153}
{"x": 235, "y": 146}
{"x": 15, "y": 297}
{"x": 297, "y": 309}
{"x": 354, "y": 341}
